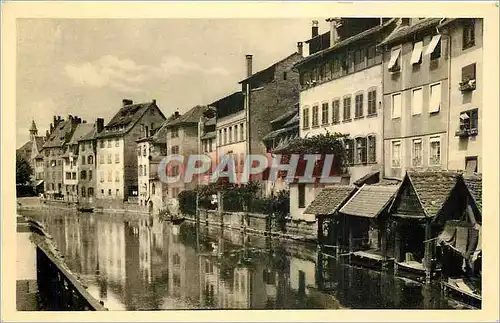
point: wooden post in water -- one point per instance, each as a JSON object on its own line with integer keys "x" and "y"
{"x": 428, "y": 252}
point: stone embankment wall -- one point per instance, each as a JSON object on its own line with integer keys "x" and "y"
{"x": 259, "y": 223}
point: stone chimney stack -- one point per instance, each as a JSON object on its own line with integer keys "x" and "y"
{"x": 315, "y": 29}
{"x": 334, "y": 34}
{"x": 126, "y": 102}
{"x": 99, "y": 124}
{"x": 249, "y": 65}
{"x": 300, "y": 48}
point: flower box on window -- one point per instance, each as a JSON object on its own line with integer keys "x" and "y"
{"x": 467, "y": 86}
{"x": 462, "y": 133}
{"x": 473, "y": 132}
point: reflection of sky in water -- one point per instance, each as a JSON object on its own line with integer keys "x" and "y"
{"x": 140, "y": 263}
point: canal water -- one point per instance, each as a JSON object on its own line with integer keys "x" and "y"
{"x": 141, "y": 263}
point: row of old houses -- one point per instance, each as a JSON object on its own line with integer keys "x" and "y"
{"x": 407, "y": 91}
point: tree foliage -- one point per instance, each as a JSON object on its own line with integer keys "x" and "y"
{"x": 23, "y": 170}
{"x": 321, "y": 144}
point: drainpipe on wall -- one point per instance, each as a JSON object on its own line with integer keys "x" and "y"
{"x": 381, "y": 106}
{"x": 448, "y": 37}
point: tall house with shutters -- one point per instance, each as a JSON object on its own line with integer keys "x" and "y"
{"x": 466, "y": 97}
{"x": 341, "y": 91}
{"x": 117, "y": 150}
{"x": 416, "y": 102}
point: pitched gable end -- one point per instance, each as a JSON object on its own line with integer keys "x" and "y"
{"x": 406, "y": 203}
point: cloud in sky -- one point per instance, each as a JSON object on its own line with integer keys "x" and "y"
{"x": 127, "y": 76}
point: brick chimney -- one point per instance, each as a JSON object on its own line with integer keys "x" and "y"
{"x": 51, "y": 127}
{"x": 154, "y": 101}
{"x": 315, "y": 28}
{"x": 47, "y": 134}
{"x": 126, "y": 102}
{"x": 300, "y": 47}
{"x": 99, "y": 124}
{"x": 54, "y": 123}
{"x": 249, "y": 64}
{"x": 176, "y": 114}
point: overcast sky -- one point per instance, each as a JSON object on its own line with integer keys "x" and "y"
{"x": 85, "y": 67}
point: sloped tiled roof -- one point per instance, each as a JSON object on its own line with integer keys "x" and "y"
{"x": 287, "y": 115}
{"x": 82, "y": 130}
{"x": 330, "y": 199}
{"x": 293, "y": 121}
{"x": 125, "y": 119}
{"x": 402, "y": 32}
{"x": 433, "y": 188}
{"x": 275, "y": 133}
{"x": 190, "y": 117}
{"x": 39, "y": 142}
{"x": 369, "y": 201}
{"x": 475, "y": 185}
{"x": 60, "y": 135}
{"x": 209, "y": 135}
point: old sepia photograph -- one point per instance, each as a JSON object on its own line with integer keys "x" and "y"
{"x": 317, "y": 162}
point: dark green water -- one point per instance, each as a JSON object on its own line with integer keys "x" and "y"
{"x": 141, "y": 263}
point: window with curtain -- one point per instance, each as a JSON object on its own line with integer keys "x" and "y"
{"x": 305, "y": 118}
{"x": 396, "y": 154}
{"x": 360, "y": 151}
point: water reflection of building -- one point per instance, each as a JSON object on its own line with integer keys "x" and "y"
{"x": 145, "y": 237}
{"x": 111, "y": 242}
{"x": 182, "y": 267}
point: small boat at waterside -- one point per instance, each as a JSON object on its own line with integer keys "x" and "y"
{"x": 174, "y": 218}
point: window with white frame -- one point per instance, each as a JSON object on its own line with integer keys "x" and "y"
{"x": 435, "y": 98}
{"x": 417, "y": 100}
{"x": 416, "y": 160}
{"x": 324, "y": 113}
{"x": 396, "y": 105}
{"x": 315, "y": 116}
{"x": 434, "y": 151}
{"x": 360, "y": 151}
{"x": 396, "y": 154}
{"x": 305, "y": 118}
